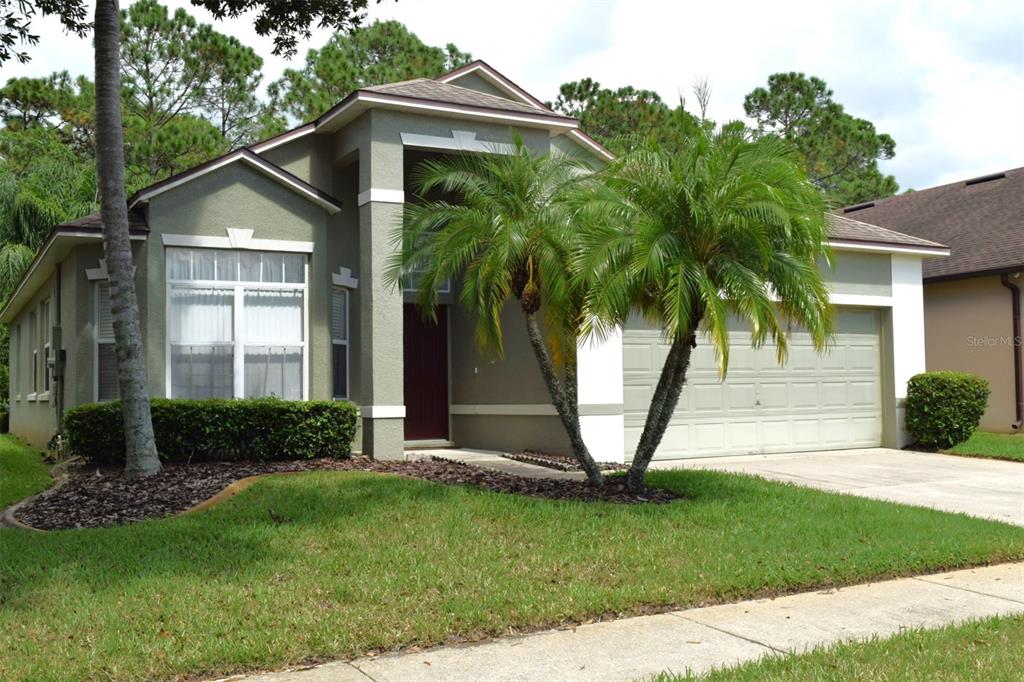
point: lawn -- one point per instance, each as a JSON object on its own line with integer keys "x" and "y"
{"x": 22, "y": 472}
{"x": 988, "y": 649}
{"x": 992, "y": 445}
{"x": 357, "y": 561}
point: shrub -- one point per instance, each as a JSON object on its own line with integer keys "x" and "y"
{"x": 944, "y": 408}
{"x": 5, "y": 419}
{"x": 219, "y": 430}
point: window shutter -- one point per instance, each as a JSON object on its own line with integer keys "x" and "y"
{"x": 106, "y": 373}
{"x": 339, "y": 314}
{"x": 104, "y": 317}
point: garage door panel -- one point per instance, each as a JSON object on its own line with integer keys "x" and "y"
{"x": 812, "y": 402}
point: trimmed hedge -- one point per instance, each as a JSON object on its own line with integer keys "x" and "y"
{"x": 944, "y": 408}
{"x": 219, "y": 430}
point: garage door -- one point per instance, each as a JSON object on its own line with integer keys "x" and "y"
{"x": 813, "y": 402}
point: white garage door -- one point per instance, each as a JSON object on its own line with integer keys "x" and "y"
{"x": 813, "y": 402}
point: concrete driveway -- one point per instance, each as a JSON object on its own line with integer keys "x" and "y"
{"x": 991, "y": 489}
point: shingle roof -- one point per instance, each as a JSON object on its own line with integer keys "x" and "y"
{"x": 435, "y": 91}
{"x": 981, "y": 220}
{"x": 848, "y": 229}
{"x": 93, "y": 221}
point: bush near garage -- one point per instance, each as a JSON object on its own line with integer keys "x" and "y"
{"x": 260, "y": 429}
{"x": 944, "y": 408}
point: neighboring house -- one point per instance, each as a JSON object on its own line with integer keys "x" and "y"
{"x": 972, "y": 300}
{"x": 261, "y": 273}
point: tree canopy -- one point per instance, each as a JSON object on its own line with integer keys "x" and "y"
{"x": 840, "y": 151}
{"x": 383, "y": 52}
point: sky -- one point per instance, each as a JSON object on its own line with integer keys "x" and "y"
{"x": 944, "y": 79}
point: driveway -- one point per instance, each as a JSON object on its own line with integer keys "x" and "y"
{"x": 990, "y": 489}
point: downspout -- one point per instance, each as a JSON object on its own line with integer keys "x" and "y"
{"x": 1015, "y": 346}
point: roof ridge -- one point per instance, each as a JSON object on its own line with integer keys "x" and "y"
{"x": 914, "y": 192}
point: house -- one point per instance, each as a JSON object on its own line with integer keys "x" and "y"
{"x": 972, "y": 300}
{"x": 260, "y": 273}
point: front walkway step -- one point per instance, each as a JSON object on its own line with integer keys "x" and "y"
{"x": 494, "y": 460}
{"x": 700, "y": 639}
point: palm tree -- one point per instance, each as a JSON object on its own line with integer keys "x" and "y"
{"x": 725, "y": 225}
{"x": 141, "y": 457}
{"x": 504, "y": 229}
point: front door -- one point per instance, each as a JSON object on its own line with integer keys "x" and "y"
{"x": 426, "y": 375}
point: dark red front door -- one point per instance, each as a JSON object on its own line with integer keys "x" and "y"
{"x": 426, "y": 375}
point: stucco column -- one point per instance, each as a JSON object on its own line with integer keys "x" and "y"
{"x": 599, "y": 369}
{"x": 382, "y": 403}
{"x": 380, "y": 327}
{"x": 905, "y": 329}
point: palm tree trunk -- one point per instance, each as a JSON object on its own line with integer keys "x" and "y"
{"x": 663, "y": 405}
{"x": 564, "y": 399}
{"x": 140, "y": 447}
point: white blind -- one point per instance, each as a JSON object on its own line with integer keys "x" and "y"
{"x": 201, "y": 316}
{"x": 273, "y": 316}
{"x": 104, "y": 317}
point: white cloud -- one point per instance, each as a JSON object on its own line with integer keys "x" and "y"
{"x": 945, "y": 79}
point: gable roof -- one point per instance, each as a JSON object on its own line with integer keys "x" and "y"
{"x": 500, "y": 81}
{"x": 844, "y": 231}
{"x": 982, "y": 220}
{"x": 439, "y": 91}
{"x": 246, "y": 156}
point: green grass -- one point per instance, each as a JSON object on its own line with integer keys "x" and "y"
{"x": 993, "y": 445}
{"x": 22, "y": 472}
{"x": 367, "y": 561}
{"x": 989, "y": 649}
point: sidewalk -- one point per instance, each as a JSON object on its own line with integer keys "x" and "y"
{"x": 699, "y": 639}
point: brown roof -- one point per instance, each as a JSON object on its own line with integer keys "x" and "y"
{"x": 849, "y": 230}
{"x": 435, "y": 91}
{"x": 93, "y": 221}
{"x": 982, "y": 221}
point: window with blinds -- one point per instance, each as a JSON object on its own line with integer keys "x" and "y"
{"x": 339, "y": 341}
{"x": 106, "y": 352}
{"x": 236, "y": 323}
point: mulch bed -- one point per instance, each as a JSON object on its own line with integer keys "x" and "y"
{"x": 103, "y": 497}
{"x": 557, "y": 462}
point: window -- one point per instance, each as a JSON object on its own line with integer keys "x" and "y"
{"x": 15, "y": 362}
{"x": 106, "y": 352}
{"x": 339, "y": 341}
{"x": 33, "y": 336}
{"x": 236, "y": 323}
{"x": 45, "y": 333}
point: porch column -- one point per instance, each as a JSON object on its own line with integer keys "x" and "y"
{"x": 380, "y": 199}
{"x": 599, "y": 366}
{"x": 905, "y": 328}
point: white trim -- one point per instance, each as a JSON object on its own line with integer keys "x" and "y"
{"x": 382, "y": 411}
{"x": 585, "y": 139}
{"x": 267, "y": 145}
{"x": 535, "y": 410}
{"x": 862, "y": 300}
{"x": 204, "y": 242}
{"x": 383, "y": 196}
{"x": 402, "y": 102}
{"x": 843, "y": 245}
{"x": 497, "y": 80}
{"x": 343, "y": 278}
{"x": 256, "y": 162}
{"x": 460, "y": 140}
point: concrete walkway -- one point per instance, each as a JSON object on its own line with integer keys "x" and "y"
{"x": 987, "y": 488}
{"x": 699, "y": 639}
